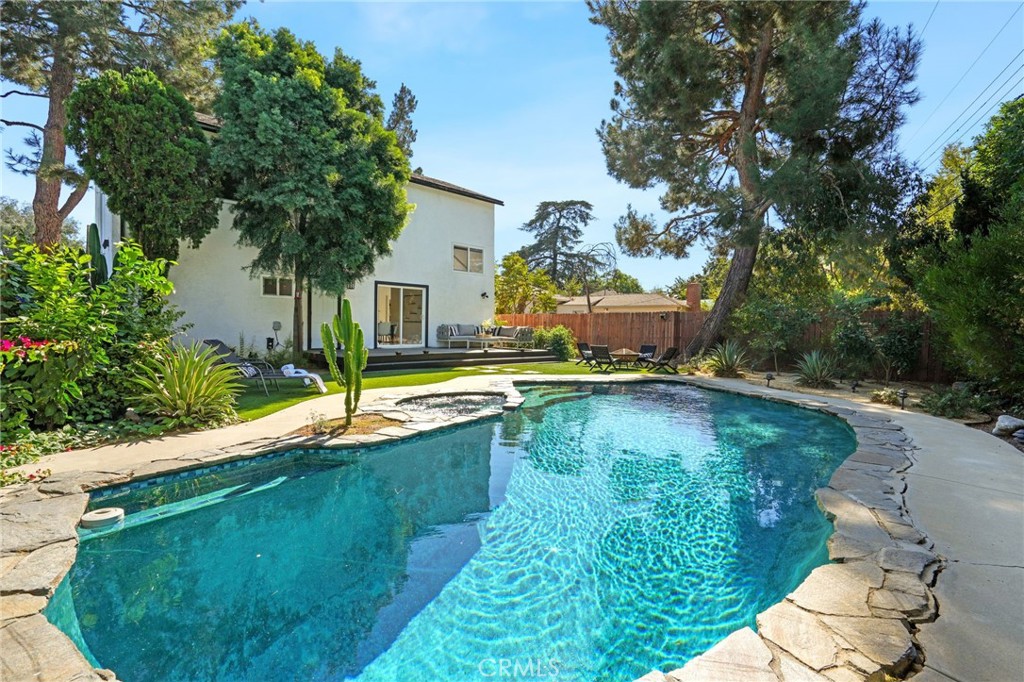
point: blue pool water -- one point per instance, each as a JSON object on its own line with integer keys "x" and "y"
{"x": 593, "y": 534}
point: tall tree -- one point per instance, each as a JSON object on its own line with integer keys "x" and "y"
{"x": 400, "y": 119}
{"x": 591, "y": 265}
{"x": 745, "y": 108}
{"x": 518, "y": 290}
{"x": 623, "y": 283}
{"x": 139, "y": 140}
{"x": 557, "y": 228}
{"x": 320, "y": 183}
{"x": 49, "y": 45}
{"x": 16, "y": 221}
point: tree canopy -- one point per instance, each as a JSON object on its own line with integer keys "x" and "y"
{"x": 49, "y": 45}
{"x": 557, "y": 228}
{"x": 518, "y": 290}
{"x": 139, "y": 140}
{"x": 400, "y": 119}
{"x": 741, "y": 109}
{"x": 320, "y": 182}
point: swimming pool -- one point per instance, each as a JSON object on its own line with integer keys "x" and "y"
{"x": 595, "y": 533}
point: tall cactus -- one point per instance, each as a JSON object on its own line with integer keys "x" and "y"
{"x": 99, "y": 261}
{"x": 354, "y": 356}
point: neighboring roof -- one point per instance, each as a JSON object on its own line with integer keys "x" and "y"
{"x": 211, "y": 123}
{"x": 627, "y": 301}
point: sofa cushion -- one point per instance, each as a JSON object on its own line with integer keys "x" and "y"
{"x": 467, "y": 330}
{"x": 508, "y": 332}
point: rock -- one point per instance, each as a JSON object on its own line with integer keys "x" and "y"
{"x": 1007, "y": 425}
{"x": 791, "y": 670}
{"x": 800, "y": 633}
{"x": 740, "y": 656}
{"x": 22, "y": 640}
{"x": 20, "y": 605}
{"x": 31, "y": 525}
{"x": 885, "y": 641}
{"x": 41, "y": 571}
{"x": 910, "y": 605}
{"x": 131, "y": 415}
{"x": 1019, "y": 435}
{"x": 903, "y": 559}
{"x": 838, "y": 589}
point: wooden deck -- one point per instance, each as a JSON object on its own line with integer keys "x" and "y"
{"x": 382, "y": 359}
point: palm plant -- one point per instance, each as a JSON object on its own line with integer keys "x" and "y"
{"x": 816, "y": 369}
{"x": 187, "y": 386}
{"x": 727, "y": 359}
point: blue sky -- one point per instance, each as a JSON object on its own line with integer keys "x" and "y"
{"x": 510, "y": 94}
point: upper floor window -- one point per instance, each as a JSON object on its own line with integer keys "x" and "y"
{"x": 467, "y": 259}
{"x": 277, "y": 286}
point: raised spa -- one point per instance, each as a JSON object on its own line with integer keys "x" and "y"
{"x": 593, "y": 534}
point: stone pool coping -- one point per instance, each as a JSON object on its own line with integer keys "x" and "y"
{"x": 851, "y": 620}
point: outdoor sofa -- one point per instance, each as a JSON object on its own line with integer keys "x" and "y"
{"x": 504, "y": 336}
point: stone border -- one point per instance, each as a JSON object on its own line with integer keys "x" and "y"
{"x": 850, "y": 620}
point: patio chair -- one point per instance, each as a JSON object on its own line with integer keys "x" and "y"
{"x": 261, "y": 371}
{"x": 663, "y": 362}
{"x": 603, "y": 360}
{"x": 647, "y": 352}
{"x": 586, "y": 356}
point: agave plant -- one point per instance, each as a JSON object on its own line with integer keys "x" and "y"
{"x": 726, "y": 359}
{"x": 816, "y": 369}
{"x": 185, "y": 386}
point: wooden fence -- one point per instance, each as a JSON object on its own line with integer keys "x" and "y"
{"x": 630, "y": 330}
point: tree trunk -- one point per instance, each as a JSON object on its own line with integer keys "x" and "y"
{"x": 48, "y": 213}
{"x": 735, "y": 286}
{"x": 297, "y": 313}
{"x": 754, "y": 204}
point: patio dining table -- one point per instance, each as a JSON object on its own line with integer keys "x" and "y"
{"x": 624, "y": 356}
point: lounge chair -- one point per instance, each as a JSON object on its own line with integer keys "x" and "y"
{"x": 586, "y": 356}
{"x": 663, "y": 362}
{"x": 647, "y": 352}
{"x": 603, "y": 360}
{"x": 261, "y": 371}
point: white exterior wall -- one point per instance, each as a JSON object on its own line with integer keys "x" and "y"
{"x": 221, "y": 301}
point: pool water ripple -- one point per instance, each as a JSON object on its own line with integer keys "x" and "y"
{"x": 593, "y": 534}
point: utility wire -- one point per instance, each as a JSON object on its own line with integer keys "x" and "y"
{"x": 954, "y": 121}
{"x": 1001, "y": 88}
{"x": 934, "y": 7}
{"x": 973, "y": 64}
{"x": 999, "y": 101}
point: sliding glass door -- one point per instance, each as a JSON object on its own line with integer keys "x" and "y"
{"x": 401, "y": 315}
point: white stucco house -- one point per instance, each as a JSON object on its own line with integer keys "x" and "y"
{"x": 441, "y": 271}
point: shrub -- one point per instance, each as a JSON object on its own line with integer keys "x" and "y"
{"x": 898, "y": 342}
{"x": 726, "y": 359}
{"x": 559, "y": 340}
{"x": 852, "y": 338}
{"x": 816, "y": 369}
{"x": 886, "y": 396}
{"x": 185, "y": 386}
{"x": 769, "y": 328}
{"x": 954, "y": 403}
{"x": 38, "y": 384}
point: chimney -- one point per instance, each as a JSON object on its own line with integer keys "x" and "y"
{"x": 693, "y": 293}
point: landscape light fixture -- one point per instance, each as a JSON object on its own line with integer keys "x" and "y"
{"x": 769, "y": 377}
{"x": 853, "y": 385}
{"x": 484, "y": 294}
{"x": 902, "y": 395}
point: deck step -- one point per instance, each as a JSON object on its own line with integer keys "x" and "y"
{"x": 440, "y": 361}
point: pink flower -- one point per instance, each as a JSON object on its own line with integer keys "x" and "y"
{"x": 25, "y": 341}
{"x": 6, "y": 344}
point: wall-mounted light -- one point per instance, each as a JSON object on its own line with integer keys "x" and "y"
{"x": 106, "y": 243}
{"x": 663, "y": 316}
{"x": 484, "y": 294}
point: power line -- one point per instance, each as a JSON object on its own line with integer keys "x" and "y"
{"x": 973, "y": 64}
{"x": 934, "y": 7}
{"x": 985, "y": 113}
{"x": 938, "y": 137}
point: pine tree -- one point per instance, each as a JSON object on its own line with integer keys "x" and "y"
{"x": 400, "y": 119}
{"x": 49, "y": 45}
{"x": 741, "y": 108}
{"x": 557, "y": 227}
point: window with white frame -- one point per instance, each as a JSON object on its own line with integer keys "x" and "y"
{"x": 277, "y": 286}
{"x": 467, "y": 259}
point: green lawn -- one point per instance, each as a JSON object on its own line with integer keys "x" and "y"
{"x": 254, "y": 404}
